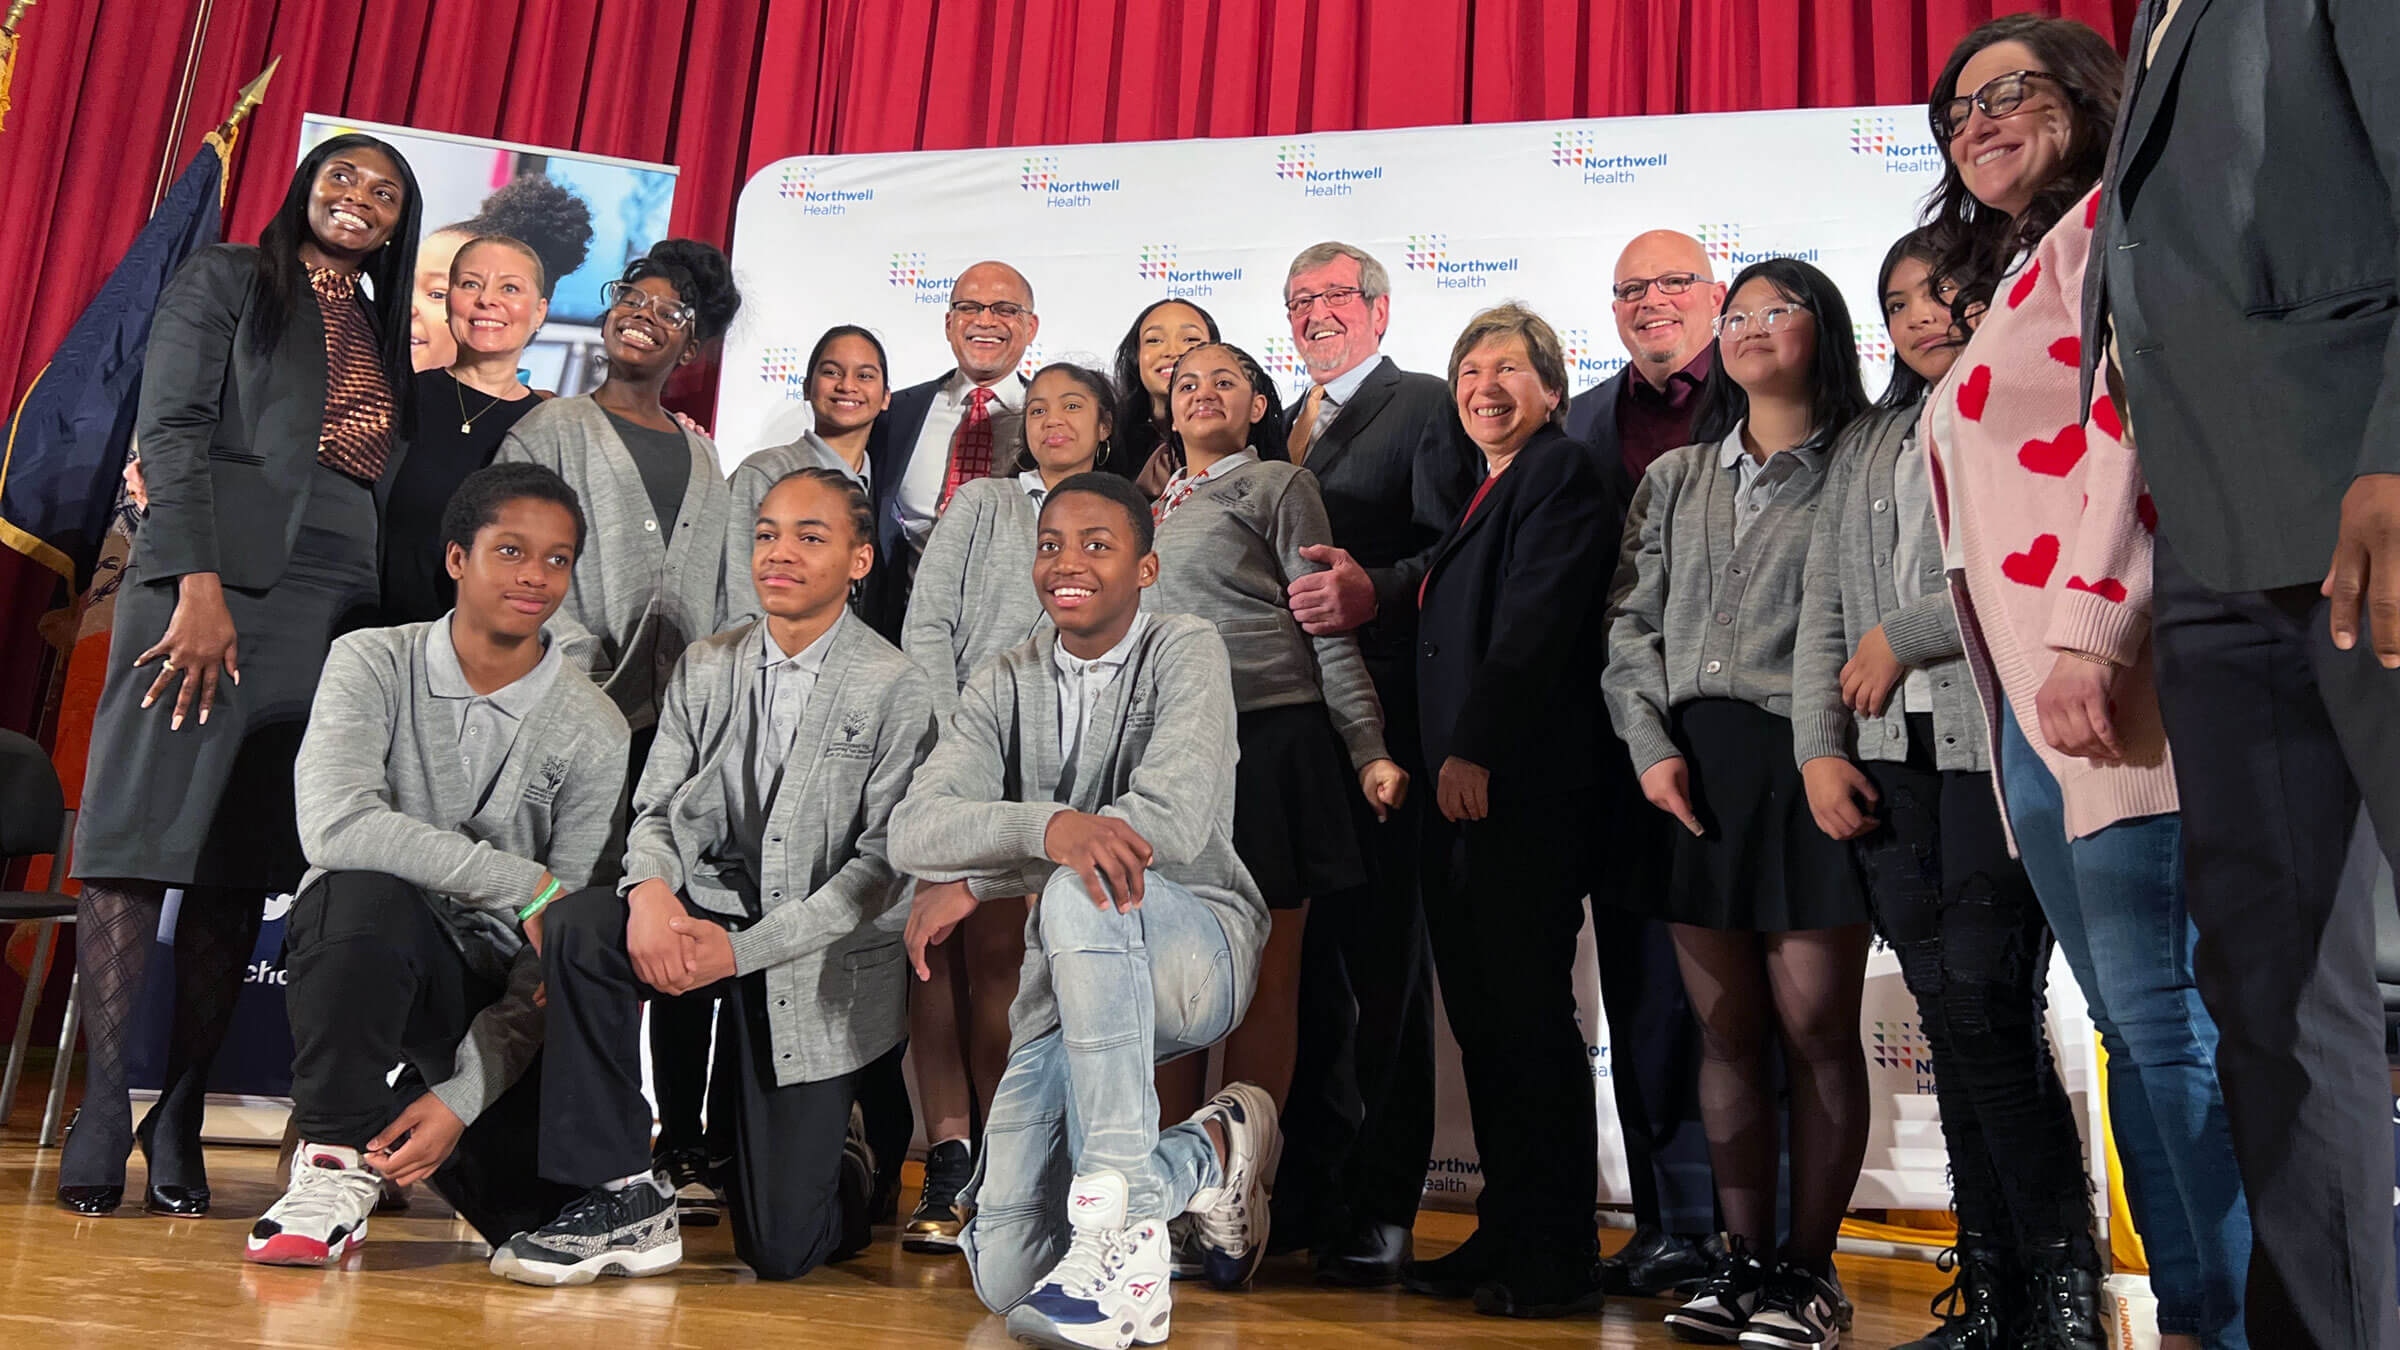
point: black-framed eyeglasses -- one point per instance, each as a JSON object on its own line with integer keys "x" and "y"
{"x": 625, "y": 295}
{"x": 1631, "y": 290}
{"x": 1003, "y": 310}
{"x": 1730, "y": 324}
{"x": 2000, "y": 96}
{"x": 1334, "y": 297}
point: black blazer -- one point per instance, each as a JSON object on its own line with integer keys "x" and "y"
{"x": 227, "y": 437}
{"x": 1513, "y": 632}
{"x": 2246, "y": 245}
{"x": 1396, "y": 471}
{"x": 1592, "y": 419}
{"x": 883, "y": 596}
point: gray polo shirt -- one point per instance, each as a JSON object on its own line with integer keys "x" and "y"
{"x": 1760, "y": 485}
{"x": 488, "y": 723}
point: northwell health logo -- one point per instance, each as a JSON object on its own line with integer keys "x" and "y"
{"x": 1902, "y": 1048}
{"x": 1296, "y": 162}
{"x": 1874, "y": 342}
{"x": 1725, "y": 248}
{"x": 1431, "y": 253}
{"x": 799, "y": 184}
{"x": 1878, "y": 137}
{"x": 785, "y": 369}
{"x": 1283, "y": 363}
{"x": 1040, "y": 173}
{"x": 1160, "y": 263}
{"x": 1581, "y": 151}
{"x": 1587, "y": 362}
{"x": 909, "y": 273}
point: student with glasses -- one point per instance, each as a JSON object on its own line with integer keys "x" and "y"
{"x": 1769, "y": 919}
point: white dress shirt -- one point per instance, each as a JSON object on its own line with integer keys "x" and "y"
{"x": 1080, "y": 684}
{"x": 1338, "y": 392}
{"x": 920, "y": 494}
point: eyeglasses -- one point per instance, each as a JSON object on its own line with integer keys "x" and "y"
{"x": 1632, "y": 289}
{"x": 625, "y": 295}
{"x": 2000, "y": 96}
{"x": 1334, "y": 297}
{"x": 1731, "y": 324}
{"x": 971, "y": 310}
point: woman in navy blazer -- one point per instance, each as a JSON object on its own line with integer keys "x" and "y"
{"x": 1510, "y": 640}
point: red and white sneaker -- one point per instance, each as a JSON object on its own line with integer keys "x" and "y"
{"x": 323, "y": 1217}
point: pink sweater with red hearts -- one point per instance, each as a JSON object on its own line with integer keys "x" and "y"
{"x": 2046, "y": 522}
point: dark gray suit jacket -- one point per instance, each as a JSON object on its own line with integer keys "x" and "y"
{"x": 2247, "y": 247}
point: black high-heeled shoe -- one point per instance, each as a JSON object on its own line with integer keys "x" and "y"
{"x": 91, "y": 1200}
{"x": 183, "y": 1202}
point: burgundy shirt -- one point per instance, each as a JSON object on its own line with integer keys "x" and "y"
{"x": 1650, "y": 422}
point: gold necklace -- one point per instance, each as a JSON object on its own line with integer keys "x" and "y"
{"x": 466, "y": 424}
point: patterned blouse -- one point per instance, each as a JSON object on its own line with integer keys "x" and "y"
{"x": 357, "y": 439}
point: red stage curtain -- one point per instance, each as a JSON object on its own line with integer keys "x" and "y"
{"x": 722, "y": 87}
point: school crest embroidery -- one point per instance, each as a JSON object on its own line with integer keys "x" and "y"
{"x": 853, "y": 738}
{"x": 547, "y": 780}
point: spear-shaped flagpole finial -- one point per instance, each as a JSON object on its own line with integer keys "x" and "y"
{"x": 16, "y": 11}
{"x": 253, "y": 94}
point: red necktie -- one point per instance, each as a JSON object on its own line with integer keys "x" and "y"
{"x": 971, "y": 448}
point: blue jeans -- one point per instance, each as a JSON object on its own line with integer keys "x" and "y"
{"x": 1132, "y": 991}
{"x": 2115, "y": 900}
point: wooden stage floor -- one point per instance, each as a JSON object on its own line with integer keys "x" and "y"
{"x": 420, "y": 1282}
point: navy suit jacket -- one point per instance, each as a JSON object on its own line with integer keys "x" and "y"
{"x": 883, "y": 597}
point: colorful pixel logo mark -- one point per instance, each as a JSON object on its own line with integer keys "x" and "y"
{"x": 785, "y": 368}
{"x": 1426, "y": 251}
{"x": 1721, "y": 242}
{"x": 908, "y": 268}
{"x": 1569, "y": 149}
{"x": 1874, "y": 341}
{"x": 1282, "y": 360}
{"x": 1873, "y": 135}
{"x": 1294, "y": 159}
{"x": 1039, "y": 173}
{"x": 795, "y": 184}
{"x": 1157, "y": 260}
{"x": 1032, "y": 363}
{"x": 1576, "y": 344}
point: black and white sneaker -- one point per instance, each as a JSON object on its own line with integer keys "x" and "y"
{"x": 628, "y": 1231}
{"x": 1722, "y": 1306}
{"x": 933, "y": 1227}
{"x": 1799, "y": 1310}
{"x": 698, "y": 1203}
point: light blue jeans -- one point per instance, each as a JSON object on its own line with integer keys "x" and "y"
{"x": 2115, "y": 900}
{"x": 1131, "y": 991}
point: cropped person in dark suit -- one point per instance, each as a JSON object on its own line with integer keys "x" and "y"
{"x": 1395, "y": 470}
{"x": 273, "y": 401}
{"x": 966, "y": 423}
{"x": 1666, "y": 300}
{"x": 1511, "y": 639}
{"x": 2261, "y": 367}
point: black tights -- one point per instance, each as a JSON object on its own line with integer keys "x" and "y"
{"x": 116, "y": 921}
{"x": 1804, "y": 987}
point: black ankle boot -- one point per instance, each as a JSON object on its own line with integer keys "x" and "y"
{"x": 1976, "y": 1310}
{"x": 2062, "y": 1298}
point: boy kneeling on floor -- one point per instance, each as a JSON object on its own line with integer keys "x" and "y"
{"x": 453, "y": 776}
{"x": 755, "y": 862}
{"x": 1094, "y": 768}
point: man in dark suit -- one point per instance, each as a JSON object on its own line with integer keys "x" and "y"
{"x": 966, "y": 423}
{"x": 1396, "y": 471}
{"x": 1666, "y": 298}
{"x": 2247, "y": 231}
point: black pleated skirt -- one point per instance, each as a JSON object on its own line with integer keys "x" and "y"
{"x": 1296, "y": 805}
{"x": 212, "y": 805}
{"x": 1763, "y": 866}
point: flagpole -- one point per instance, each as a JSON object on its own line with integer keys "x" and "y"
{"x": 8, "y": 51}
{"x": 183, "y": 102}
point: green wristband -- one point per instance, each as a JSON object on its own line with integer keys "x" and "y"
{"x": 542, "y": 899}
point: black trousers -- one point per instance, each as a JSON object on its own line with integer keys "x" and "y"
{"x": 373, "y": 981}
{"x": 2277, "y": 738}
{"x": 1358, "y": 1126}
{"x": 783, "y": 1189}
{"x": 1654, "y": 1042}
{"x": 1504, "y": 903}
{"x": 1974, "y": 949}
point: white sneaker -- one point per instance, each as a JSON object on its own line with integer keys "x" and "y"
{"x": 1111, "y": 1290}
{"x": 1720, "y": 1309}
{"x": 323, "y": 1217}
{"x": 627, "y": 1231}
{"x": 1798, "y": 1311}
{"x": 1233, "y": 1217}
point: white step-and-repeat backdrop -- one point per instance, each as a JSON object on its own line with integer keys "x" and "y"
{"x": 1461, "y": 217}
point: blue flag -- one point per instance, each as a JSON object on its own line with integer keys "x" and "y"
{"x": 59, "y": 473}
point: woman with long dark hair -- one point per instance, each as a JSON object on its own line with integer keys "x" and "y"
{"x": 1769, "y": 920}
{"x": 848, "y": 387}
{"x": 1144, "y": 364}
{"x": 2046, "y": 523}
{"x": 273, "y": 398}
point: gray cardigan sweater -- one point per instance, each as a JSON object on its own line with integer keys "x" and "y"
{"x": 1849, "y": 587}
{"x": 636, "y": 603}
{"x": 380, "y": 789}
{"x": 1226, "y": 554}
{"x": 1690, "y": 615}
{"x": 973, "y": 597}
{"x": 1159, "y": 755}
{"x": 829, "y": 906}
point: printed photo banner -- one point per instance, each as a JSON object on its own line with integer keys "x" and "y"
{"x": 1462, "y": 218}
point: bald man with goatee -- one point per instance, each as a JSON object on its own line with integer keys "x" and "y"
{"x": 1666, "y": 298}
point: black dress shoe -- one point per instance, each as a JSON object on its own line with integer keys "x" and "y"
{"x": 1654, "y": 1262}
{"x": 1457, "y": 1274}
{"x": 91, "y": 1199}
{"x": 1369, "y": 1258}
{"x": 188, "y": 1202}
{"x": 1543, "y": 1287}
